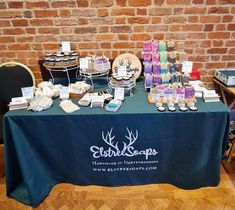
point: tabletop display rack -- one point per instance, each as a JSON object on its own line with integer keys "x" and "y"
{"x": 127, "y": 87}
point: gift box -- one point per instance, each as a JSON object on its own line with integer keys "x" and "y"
{"x": 195, "y": 74}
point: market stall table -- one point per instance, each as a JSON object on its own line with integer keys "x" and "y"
{"x": 137, "y": 145}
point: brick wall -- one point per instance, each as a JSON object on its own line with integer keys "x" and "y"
{"x": 30, "y": 28}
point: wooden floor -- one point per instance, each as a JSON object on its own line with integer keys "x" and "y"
{"x": 159, "y": 196}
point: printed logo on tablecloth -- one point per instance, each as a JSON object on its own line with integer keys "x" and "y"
{"x": 124, "y": 149}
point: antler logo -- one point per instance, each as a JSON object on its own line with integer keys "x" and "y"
{"x": 126, "y": 149}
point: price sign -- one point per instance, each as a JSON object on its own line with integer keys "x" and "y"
{"x": 187, "y": 67}
{"x": 27, "y": 92}
{"x": 119, "y": 93}
{"x": 83, "y": 63}
{"x": 64, "y": 92}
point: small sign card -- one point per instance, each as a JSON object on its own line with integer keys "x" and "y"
{"x": 121, "y": 71}
{"x": 64, "y": 92}
{"x": 18, "y": 100}
{"x": 84, "y": 64}
{"x": 119, "y": 93}
{"x": 27, "y": 92}
{"x": 187, "y": 66}
{"x": 65, "y": 47}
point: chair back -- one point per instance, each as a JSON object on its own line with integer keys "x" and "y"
{"x": 14, "y": 76}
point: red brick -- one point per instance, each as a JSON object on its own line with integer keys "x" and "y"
{"x": 198, "y": 2}
{"x": 13, "y": 31}
{"x": 227, "y": 18}
{"x": 103, "y": 29}
{"x": 139, "y": 3}
{"x": 123, "y": 36}
{"x": 85, "y": 30}
{"x": 88, "y": 45}
{"x": 59, "y": 4}
{"x": 66, "y": 22}
{"x": 123, "y": 11}
{"x": 193, "y": 19}
{"x": 82, "y": 21}
{"x": 82, "y": 3}
{"x": 105, "y": 45}
{"x": 67, "y": 30}
{"x": 101, "y": 37}
{"x": 196, "y": 36}
{"x": 19, "y": 47}
{"x": 156, "y": 20}
{"x": 217, "y": 43}
{"x": 7, "y": 39}
{"x": 119, "y": 45}
{"x": 24, "y": 39}
{"x": 45, "y": 13}
{"x": 217, "y": 50}
{"x": 215, "y": 65}
{"x": 20, "y": 22}
{"x": 120, "y": 20}
{"x": 230, "y": 64}
{"x": 215, "y": 58}
{"x": 27, "y": 14}
{"x": 218, "y": 10}
{"x": 175, "y": 36}
{"x": 229, "y": 43}
{"x": 10, "y": 14}
{"x": 26, "y": 54}
{"x": 64, "y": 13}
{"x": 121, "y": 3}
{"x": 205, "y": 44}
{"x": 50, "y": 46}
{"x": 103, "y": 12}
{"x": 194, "y": 27}
{"x": 46, "y": 38}
{"x": 15, "y": 4}
{"x": 195, "y": 10}
{"x": 228, "y": 57}
{"x": 231, "y": 51}
{"x": 181, "y": 2}
{"x": 101, "y": 3}
{"x": 199, "y": 58}
{"x": 49, "y": 30}
{"x": 218, "y": 35}
{"x": 220, "y": 27}
{"x": 138, "y": 20}
{"x": 159, "y": 2}
{"x": 7, "y": 55}
{"x": 5, "y": 23}
{"x": 121, "y": 29}
{"x": 208, "y": 27}
{"x": 3, "y": 47}
{"x": 210, "y": 2}
{"x": 30, "y": 30}
{"x": 101, "y": 21}
{"x": 84, "y": 12}
{"x": 156, "y": 28}
{"x": 139, "y": 28}
{"x": 178, "y": 11}
{"x": 191, "y": 44}
{"x": 3, "y": 5}
{"x": 231, "y": 27}
{"x": 210, "y": 19}
{"x": 225, "y": 2}
{"x": 41, "y": 22}
{"x": 175, "y": 27}
{"x": 140, "y": 37}
{"x": 38, "y": 4}
{"x": 141, "y": 12}
{"x": 160, "y": 11}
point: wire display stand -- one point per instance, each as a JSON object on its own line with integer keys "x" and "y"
{"x": 62, "y": 68}
{"x": 128, "y": 87}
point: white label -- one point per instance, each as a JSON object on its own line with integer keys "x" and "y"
{"x": 65, "y": 46}
{"x": 27, "y": 92}
{"x": 83, "y": 63}
{"x": 121, "y": 71}
{"x": 119, "y": 93}
{"x": 64, "y": 92}
{"x": 17, "y": 100}
{"x": 187, "y": 67}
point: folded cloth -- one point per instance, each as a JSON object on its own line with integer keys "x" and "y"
{"x": 68, "y": 106}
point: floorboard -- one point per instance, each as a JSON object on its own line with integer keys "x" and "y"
{"x": 145, "y": 197}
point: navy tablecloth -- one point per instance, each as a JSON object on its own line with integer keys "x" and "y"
{"x": 137, "y": 145}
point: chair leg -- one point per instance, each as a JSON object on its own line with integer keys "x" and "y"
{"x": 2, "y": 171}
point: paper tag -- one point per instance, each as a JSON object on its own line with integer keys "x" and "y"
{"x": 27, "y": 92}
{"x": 187, "y": 66}
{"x": 64, "y": 92}
{"x": 83, "y": 63}
{"x": 18, "y": 100}
{"x": 97, "y": 99}
{"x": 119, "y": 93}
{"x": 121, "y": 71}
{"x": 65, "y": 46}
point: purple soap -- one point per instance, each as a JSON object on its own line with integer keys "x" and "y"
{"x": 189, "y": 92}
{"x": 147, "y": 46}
{"x": 157, "y": 79}
{"x": 156, "y": 68}
{"x": 147, "y": 68}
{"x": 148, "y": 80}
{"x": 155, "y": 57}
